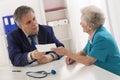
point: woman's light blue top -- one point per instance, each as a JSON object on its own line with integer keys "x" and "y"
{"x": 105, "y": 50}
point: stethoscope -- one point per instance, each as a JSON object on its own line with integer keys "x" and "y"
{"x": 43, "y": 74}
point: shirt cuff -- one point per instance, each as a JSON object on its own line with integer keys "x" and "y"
{"x": 29, "y": 57}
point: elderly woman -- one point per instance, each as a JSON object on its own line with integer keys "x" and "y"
{"x": 101, "y": 48}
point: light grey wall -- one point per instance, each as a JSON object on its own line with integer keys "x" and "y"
{"x": 114, "y": 15}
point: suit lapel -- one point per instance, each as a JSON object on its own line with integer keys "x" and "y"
{"x": 25, "y": 40}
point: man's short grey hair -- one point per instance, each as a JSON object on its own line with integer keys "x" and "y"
{"x": 94, "y": 15}
{"x": 20, "y": 12}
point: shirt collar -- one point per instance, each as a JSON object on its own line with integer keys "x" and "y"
{"x": 91, "y": 37}
{"x": 26, "y": 33}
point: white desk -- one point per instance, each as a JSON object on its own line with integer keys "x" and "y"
{"x": 75, "y": 71}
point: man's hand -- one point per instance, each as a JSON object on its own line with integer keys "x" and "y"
{"x": 37, "y": 55}
{"x": 47, "y": 58}
{"x": 41, "y": 57}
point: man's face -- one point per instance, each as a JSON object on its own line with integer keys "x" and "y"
{"x": 29, "y": 24}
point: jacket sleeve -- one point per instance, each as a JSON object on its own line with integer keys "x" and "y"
{"x": 17, "y": 57}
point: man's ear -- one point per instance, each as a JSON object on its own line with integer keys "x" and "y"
{"x": 20, "y": 26}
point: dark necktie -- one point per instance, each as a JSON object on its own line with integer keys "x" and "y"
{"x": 33, "y": 43}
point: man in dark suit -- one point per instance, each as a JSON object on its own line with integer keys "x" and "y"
{"x": 21, "y": 51}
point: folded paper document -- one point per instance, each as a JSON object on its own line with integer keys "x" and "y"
{"x": 45, "y": 47}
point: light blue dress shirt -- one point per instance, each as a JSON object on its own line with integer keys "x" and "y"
{"x": 105, "y": 50}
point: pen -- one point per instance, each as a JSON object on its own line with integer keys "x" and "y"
{"x": 16, "y": 70}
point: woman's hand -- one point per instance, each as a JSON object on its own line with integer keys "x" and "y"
{"x": 69, "y": 61}
{"x": 61, "y": 51}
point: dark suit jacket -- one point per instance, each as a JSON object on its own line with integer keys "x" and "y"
{"x": 19, "y": 46}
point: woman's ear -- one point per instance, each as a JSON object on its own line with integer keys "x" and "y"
{"x": 91, "y": 26}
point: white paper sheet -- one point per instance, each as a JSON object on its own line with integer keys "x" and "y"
{"x": 45, "y": 47}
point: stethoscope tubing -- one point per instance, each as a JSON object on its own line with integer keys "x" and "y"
{"x": 44, "y": 74}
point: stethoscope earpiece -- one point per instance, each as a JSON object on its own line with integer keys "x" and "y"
{"x": 43, "y": 73}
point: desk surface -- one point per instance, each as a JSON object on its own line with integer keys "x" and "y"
{"x": 75, "y": 71}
